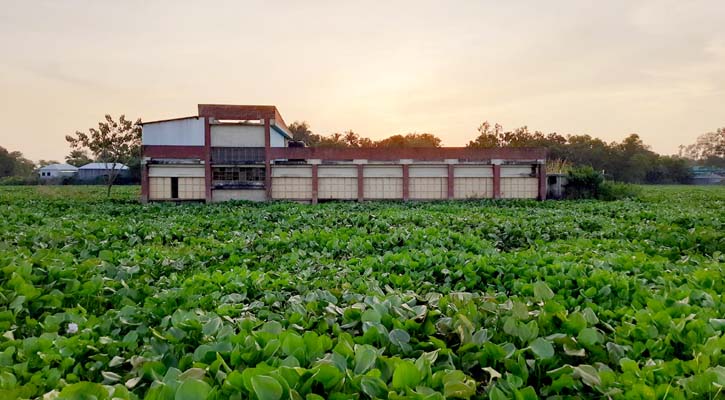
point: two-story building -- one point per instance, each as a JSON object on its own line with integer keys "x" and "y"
{"x": 235, "y": 152}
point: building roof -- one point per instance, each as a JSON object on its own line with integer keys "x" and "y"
{"x": 104, "y": 166}
{"x": 58, "y": 167}
{"x": 169, "y": 120}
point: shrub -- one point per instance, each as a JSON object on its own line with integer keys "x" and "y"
{"x": 19, "y": 180}
{"x": 586, "y": 183}
{"x": 583, "y": 183}
{"x": 618, "y": 190}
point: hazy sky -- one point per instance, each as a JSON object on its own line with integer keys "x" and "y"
{"x": 604, "y": 68}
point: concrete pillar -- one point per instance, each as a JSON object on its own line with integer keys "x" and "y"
{"x": 496, "y": 181}
{"x": 450, "y": 181}
{"x": 406, "y": 182}
{"x": 315, "y": 183}
{"x": 144, "y": 182}
{"x": 207, "y": 160}
{"x": 267, "y": 161}
{"x": 360, "y": 183}
{"x": 542, "y": 181}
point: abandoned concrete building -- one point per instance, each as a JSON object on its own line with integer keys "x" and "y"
{"x": 236, "y": 152}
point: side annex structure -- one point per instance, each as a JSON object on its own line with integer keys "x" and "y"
{"x": 237, "y": 152}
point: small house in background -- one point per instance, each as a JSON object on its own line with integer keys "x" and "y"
{"x": 708, "y": 175}
{"x": 57, "y": 172}
{"x": 99, "y": 171}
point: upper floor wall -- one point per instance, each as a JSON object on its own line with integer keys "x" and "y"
{"x": 245, "y": 135}
{"x": 177, "y": 132}
{"x": 190, "y": 132}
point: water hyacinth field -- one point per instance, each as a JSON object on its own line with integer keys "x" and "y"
{"x": 103, "y": 299}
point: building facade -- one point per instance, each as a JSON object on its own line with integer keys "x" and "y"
{"x": 57, "y": 172}
{"x": 232, "y": 152}
{"x": 96, "y": 171}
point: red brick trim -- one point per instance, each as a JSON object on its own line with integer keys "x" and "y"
{"x": 155, "y": 151}
{"x": 406, "y": 182}
{"x": 421, "y": 154}
{"x": 542, "y": 182}
{"x": 315, "y": 183}
{"x": 235, "y": 112}
{"x": 496, "y": 181}
{"x": 207, "y": 160}
{"x": 267, "y": 159}
{"x": 360, "y": 183}
{"x": 451, "y": 181}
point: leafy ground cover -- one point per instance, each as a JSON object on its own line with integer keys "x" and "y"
{"x": 517, "y": 299}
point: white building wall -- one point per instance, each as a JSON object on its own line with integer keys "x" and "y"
{"x": 276, "y": 139}
{"x": 301, "y": 171}
{"x": 337, "y": 188}
{"x": 183, "y": 132}
{"x": 337, "y": 171}
{"x": 237, "y": 136}
{"x": 337, "y": 182}
{"x": 191, "y": 171}
{"x": 428, "y": 171}
{"x": 383, "y": 188}
{"x": 428, "y": 188}
{"x": 519, "y": 188}
{"x": 192, "y": 188}
{"x": 54, "y": 174}
{"x": 386, "y": 171}
{"x": 510, "y": 171}
{"x": 472, "y": 188}
{"x": 473, "y": 171}
{"x": 159, "y": 188}
{"x": 292, "y": 188}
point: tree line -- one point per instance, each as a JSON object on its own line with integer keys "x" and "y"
{"x": 627, "y": 161}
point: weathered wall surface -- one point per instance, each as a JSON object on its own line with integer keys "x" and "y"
{"x": 237, "y": 136}
{"x": 181, "y": 132}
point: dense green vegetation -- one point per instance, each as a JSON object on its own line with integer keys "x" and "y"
{"x": 511, "y": 299}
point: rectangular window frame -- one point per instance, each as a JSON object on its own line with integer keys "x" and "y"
{"x": 238, "y": 177}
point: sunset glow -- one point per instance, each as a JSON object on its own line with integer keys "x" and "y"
{"x": 607, "y": 69}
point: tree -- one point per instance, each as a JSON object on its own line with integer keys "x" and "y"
{"x": 112, "y": 143}
{"x": 78, "y": 158}
{"x": 410, "y": 140}
{"x": 347, "y": 139}
{"x": 628, "y": 161}
{"x": 43, "y": 163}
{"x": 487, "y": 137}
{"x": 301, "y": 131}
{"x": 709, "y": 149}
{"x": 12, "y": 163}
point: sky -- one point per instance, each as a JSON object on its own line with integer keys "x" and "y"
{"x": 602, "y": 68}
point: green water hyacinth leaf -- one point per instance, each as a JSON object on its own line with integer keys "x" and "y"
{"x": 365, "y": 356}
{"x": 588, "y": 337}
{"x": 374, "y": 387}
{"x": 486, "y": 299}
{"x": 406, "y": 375}
{"x": 84, "y": 391}
{"x": 400, "y": 338}
{"x": 192, "y": 389}
{"x": 542, "y": 291}
{"x": 266, "y": 388}
{"x": 370, "y": 315}
{"x": 542, "y": 348}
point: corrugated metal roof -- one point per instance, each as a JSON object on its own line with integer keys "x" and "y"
{"x": 104, "y": 166}
{"x": 59, "y": 167}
